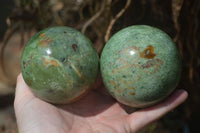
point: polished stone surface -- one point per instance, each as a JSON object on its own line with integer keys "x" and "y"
{"x": 59, "y": 64}
{"x": 140, "y": 66}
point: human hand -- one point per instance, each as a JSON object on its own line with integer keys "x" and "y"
{"x": 94, "y": 113}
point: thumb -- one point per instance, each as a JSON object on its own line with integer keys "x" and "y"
{"x": 23, "y": 94}
{"x": 142, "y": 118}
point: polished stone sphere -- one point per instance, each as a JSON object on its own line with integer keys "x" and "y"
{"x": 140, "y": 66}
{"x": 59, "y": 64}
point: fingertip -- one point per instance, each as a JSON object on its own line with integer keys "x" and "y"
{"x": 20, "y": 81}
{"x": 182, "y": 94}
{"x": 19, "y": 77}
{"x": 176, "y": 98}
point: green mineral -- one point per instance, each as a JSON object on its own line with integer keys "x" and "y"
{"x": 59, "y": 64}
{"x": 140, "y": 66}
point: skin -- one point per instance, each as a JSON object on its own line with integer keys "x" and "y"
{"x": 96, "y": 112}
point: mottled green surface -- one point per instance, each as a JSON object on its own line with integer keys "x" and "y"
{"x": 59, "y": 64}
{"x": 140, "y": 65}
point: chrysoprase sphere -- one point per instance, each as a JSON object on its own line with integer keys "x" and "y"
{"x": 59, "y": 64}
{"x": 140, "y": 66}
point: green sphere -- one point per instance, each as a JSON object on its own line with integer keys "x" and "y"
{"x": 59, "y": 64}
{"x": 140, "y": 66}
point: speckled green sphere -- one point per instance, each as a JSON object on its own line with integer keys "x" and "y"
{"x": 59, "y": 64}
{"x": 140, "y": 66}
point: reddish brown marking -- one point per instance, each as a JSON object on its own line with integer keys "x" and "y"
{"x": 132, "y": 93}
{"x": 78, "y": 72}
{"x": 159, "y": 63}
{"x": 47, "y": 62}
{"x": 133, "y": 90}
{"x": 156, "y": 63}
{"x": 81, "y": 76}
{"x": 148, "y": 53}
{"x": 45, "y": 42}
{"x": 117, "y": 86}
{"x": 134, "y": 65}
{"x": 124, "y": 67}
{"x": 114, "y": 83}
{"x": 115, "y": 70}
{"x": 30, "y": 82}
{"x": 74, "y": 46}
{"x": 42, "y": 35}
{"x": 122, "y": 61}
{"x": 82, "y": 95}
{"x": 148, "y": 64}
{"x": 120, "y": 68}
{"x": 120, "y": 91}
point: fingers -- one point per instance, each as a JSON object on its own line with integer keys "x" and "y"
{"x": 22, "y": 93}
{"x": 144, "y": 117}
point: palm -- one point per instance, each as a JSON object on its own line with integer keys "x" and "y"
{"x": 96, "y": 112}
